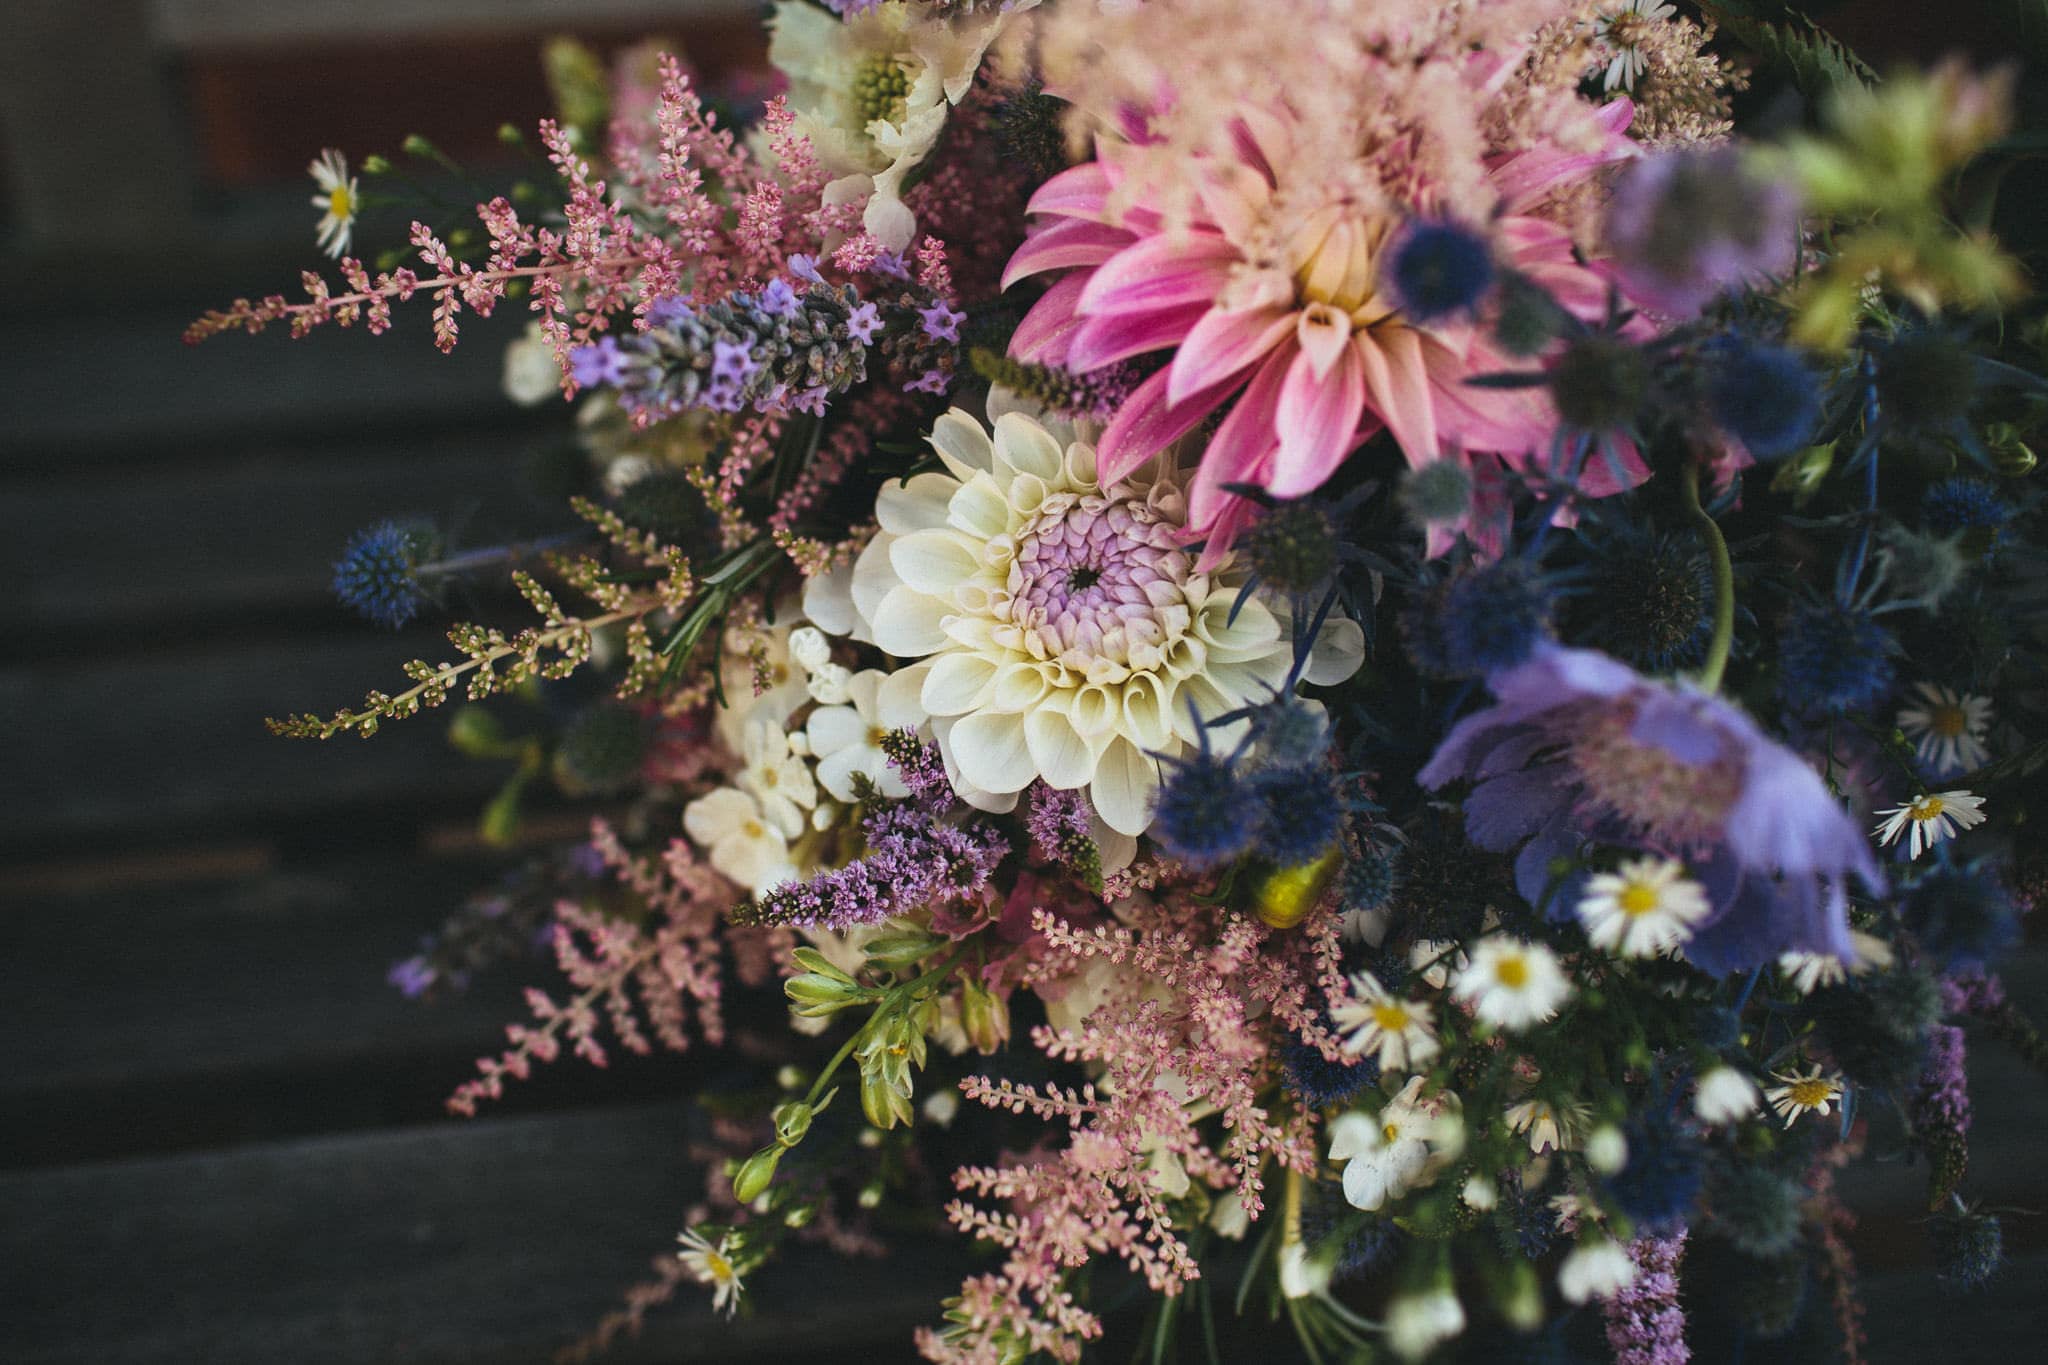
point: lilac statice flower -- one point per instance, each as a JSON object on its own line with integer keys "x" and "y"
{"x": 1688, "y": 226}
{"x": 1645, "y": 1320}
{"x": 1579, "y": 748}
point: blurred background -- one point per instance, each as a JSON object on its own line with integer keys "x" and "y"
{"x": 221, "y": 1133}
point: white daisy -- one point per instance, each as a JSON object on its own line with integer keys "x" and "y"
{"x": 1808, "y": 972}
{"x": 848, "y": 739}
{"x": 1399, "y": 1149}
{"x": 1621, "y": 30}
{"x": 1396, "y": 1033}
{"x": 1724, "y": 1095}
{"x": 1645, "y": 907}
{"x": 712, "y": 1265}
{"x": 1947, "y": 728}
{"x": 1550, "y": 1127}
{"x": 777, "y": 776}
{"x": 330, "y": 171}
{"x": 1928, "y": 819}
{"x": 744, "y": 844}
{"x": 1598, "y": 1268}
{"x": 1512, "y": 984}
{"x": 1812, "y": 1092}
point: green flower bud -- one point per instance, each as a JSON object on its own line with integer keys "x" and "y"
{"x": 755, "y": 1174}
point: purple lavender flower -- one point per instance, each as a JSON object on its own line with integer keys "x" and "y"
{"x": 931, "y": 381}
{"x": 778, "y": 300}
{"x": 941, "y": 323}
{"x": 598, "y": 365}
{"x": 1686, "y": 226}
{"x": 669, "y": 311}
{"x": 1580, "y": 748}
{"x": 805, "y": 268}
{"x": 890, "y": 264}
{"x": 863, "y": 323}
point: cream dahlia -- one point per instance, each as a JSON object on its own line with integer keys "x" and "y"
{"x": 1059, "y": 627}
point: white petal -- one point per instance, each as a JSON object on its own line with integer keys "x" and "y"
{"x": 716, "y": 814}
{"x": 979, "y": 509}
{"x": 1125, "y": 780}
{"x": 934, "y": 562}
{"x": 833, "y": 728}
{"x": 962, "y": 444}
{"x": 1028, "y": 447}
{"x": 957, "y": 684}
{"x": 919, "y": 505}
{"x": 899, "y": 703}
{"x": 828, "y": 601}
{"x": 1337, "y": 653}
{"x": 836, "y": 771}
{"x": 1064, "y": 759}
{"x": 908, "y": 623}
{"x": 992, "y": 752}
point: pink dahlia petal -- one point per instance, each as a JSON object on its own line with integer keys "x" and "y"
{"x": 1148, "y": 423}
{"x": 1065, "y": 243}
{"x": 1078, "y": 192}
{"x": 1527, "y": 176}
{"x": 1317, "y": 421}
{"x": 1047, "y": 330}
{"x": 1245, "y": 440}
{"x": 1397, "y": 380}
{"x": 1160, "y": 272}
{"x": 1222, "y": 344}
{"x": 1116, "y": 336}
{"x": 1237, "y": 514}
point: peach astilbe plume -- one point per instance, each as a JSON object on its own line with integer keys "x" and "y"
{"x": 1188, "y": 1003}
{"x": 1243, "y": 220}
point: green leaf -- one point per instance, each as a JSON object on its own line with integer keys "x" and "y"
{"x": 1808, "y": 55}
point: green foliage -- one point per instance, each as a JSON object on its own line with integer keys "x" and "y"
{"x": 1807, "y": 54}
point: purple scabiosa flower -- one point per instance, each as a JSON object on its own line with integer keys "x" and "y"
{"x": 1578, "y": 747}
{"x": 941, "y": 323}
{"x": 1688, "y": 226}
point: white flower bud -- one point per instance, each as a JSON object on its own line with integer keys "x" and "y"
{"x": 1725, "y": 1095}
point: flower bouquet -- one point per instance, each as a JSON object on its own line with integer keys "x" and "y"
{"x": 1334, "y": 657}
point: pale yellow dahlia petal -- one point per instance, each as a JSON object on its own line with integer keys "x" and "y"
{"x": 1029, "y": 448}
{"x": 919, "y": 505}
{"x": 1021, "y": 686}
{"x": 1125, "y": 780}
{"x": 962, "y": 444}
{"x": 992, "y": 753}
{"x": 957, "y": 684}
{"x": 934, "y": 562}
{"x": 1063, "y": 758}
{"x": 978, "y": 508}
{"x": 907, "y": 623}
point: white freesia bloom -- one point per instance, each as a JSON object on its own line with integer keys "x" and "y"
{"x": 1725, "y": 1095}
{"x": 1598, "y": 1268}
{"x": 782, "y": 679}
{"x": 1418, "y": 1323}
{"x": 871, "y": 93}
{"x": 848, "y": 739}
{"x": 744, "y": 844}
{"x": 1401, "y": 1148}
{"x": 776, "y": 776}
{"x": 1061, "y": 631}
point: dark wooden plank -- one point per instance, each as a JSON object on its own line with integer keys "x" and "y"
{"x": 242, "y": 541}
{"x": 173, "y": 744}
{"x": 488, "y": 1241}
{"x": 106, "y": 389}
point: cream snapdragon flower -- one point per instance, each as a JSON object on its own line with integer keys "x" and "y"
{"x": 1060, "y": 631}
{"x": 871, "y": 93}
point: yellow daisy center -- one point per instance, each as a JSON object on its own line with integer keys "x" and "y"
{"x": 1512, "y": 972}
{"x": 1638, "y": 898}
{"x": 1390, "y": 1016}
{"x": 1811, "y": 1094}
{"x": 340, "y": 202}
{"x": 1926, "y": 808}
{"x": 719, "y": 1267}
{"x": 1948, "y": 721}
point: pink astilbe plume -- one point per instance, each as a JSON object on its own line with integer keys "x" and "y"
{"x": 640, "y": 978}
{"x": 1182, "y": 1048}
{"x": 1257, "y": 254}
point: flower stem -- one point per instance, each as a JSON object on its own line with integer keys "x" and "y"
{"x": 1724, "y": 582}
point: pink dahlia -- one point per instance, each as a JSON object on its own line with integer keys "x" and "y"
{"x": 1272, "y": 293}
